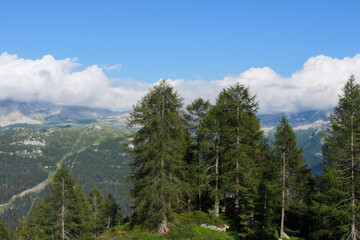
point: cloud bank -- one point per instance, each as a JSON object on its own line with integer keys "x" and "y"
{"x": 316, "y": 86}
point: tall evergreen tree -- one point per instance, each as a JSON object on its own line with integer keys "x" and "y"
{"x": 96, "y": 202}
{"x": 268, "y": 196}
{"x": 159, "y": 147}
{"x": 61, "y": 215}
{"x": 211, "y": 151}
{"x": 291, "y": 163}
{"x": 341, "y": 181}
{"x": 111, "y": 212}
{"x": 197, "y": 110}
{"x": 241, "y": 136}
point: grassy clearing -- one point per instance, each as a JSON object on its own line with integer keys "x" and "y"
{"x": 184, "y": 226}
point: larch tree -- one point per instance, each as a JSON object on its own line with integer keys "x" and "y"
{"x": 111, "y": 212}
{"x": 291, "y": 162}
{"x": 62, "y": 214}
{"x": 159, "y": 147}
{"x": 211, "y": 151}
{"x": 268, "y": 193}
{"x": 96, "y": 203}
{"x": 241, "y": 134}
{"x": 341, "y": 181}
{"x": 197, "y": 110}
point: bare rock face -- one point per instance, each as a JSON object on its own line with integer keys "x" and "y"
{"x": 13, "y": 112}
{"x": 16, "y": 117}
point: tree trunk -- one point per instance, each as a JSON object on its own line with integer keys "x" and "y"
{"x": 108, "y": 223}
{"x": 353, "y": 213}
{"x": 198, "y": 159}
{"x": 163, "y": 226}
{"x": 216, "y": 207}
{"x": 283, "y": 200}
{"x": 237, "y": 179}
{"x": 95, "y": 212}
{"x": 63, "y": 236}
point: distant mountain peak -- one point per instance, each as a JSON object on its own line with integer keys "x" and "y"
{"x": 16, "y": 117}
{"x": 13, "y": 112}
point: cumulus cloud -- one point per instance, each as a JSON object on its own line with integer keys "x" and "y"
{"x": 316, "y": 86}
{"x": 57, "y": 81}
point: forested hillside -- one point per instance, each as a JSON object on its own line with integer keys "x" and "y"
{"x": 30, "y": 157}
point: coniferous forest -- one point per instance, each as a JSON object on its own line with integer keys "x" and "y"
{"x": 206, "y": 171}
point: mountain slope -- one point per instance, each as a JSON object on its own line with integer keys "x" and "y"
{"x": 30, "y": 157}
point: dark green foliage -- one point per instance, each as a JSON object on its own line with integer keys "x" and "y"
{"x": 25, "y": 230}
{"x": 159, "y": 147}
{"x": 96, "y": 203}
{"x": 294, "y": 177}
{"x": 18, "y": 209}
{"x": 285, "y": 146}
{"x": 80, "y": 149}
{"x": 268, "y": 199}
{"x": 4, "y": 233}
{"x": 197, "y": 111}
{"x": 212, "y": 152}
{"x": 111, "y": 213}
{"x": 12, "y": 156}
{"x": 241, "y": 135}
{"x": 104, "y": 164}
{"x": 338, "y": 205}
{"x": 63, "y": 212}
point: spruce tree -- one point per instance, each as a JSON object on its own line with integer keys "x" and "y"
{"x": 159, "y": 147}
{"x": 341, "y": 181}
{"x": 241, "y": 135}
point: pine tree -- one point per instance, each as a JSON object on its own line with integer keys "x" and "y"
{"x": 291, "y": 165}
{"x": 197, "y": 110}
{"x": 241, "y": 136}
{"x": 341, "y": 179}
{"x": 159, "y": 147}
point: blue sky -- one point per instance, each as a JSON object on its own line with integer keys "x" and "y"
{"x": 181, "y": 39}
{"x": 295, "y": 55}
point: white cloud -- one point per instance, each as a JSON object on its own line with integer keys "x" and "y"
{"x": 113, "y": 67}
{"x": 57, "y": 81}
{"x": 316, "y": 86}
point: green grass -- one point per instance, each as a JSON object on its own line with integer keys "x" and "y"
{"x": 183, "y": 226}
